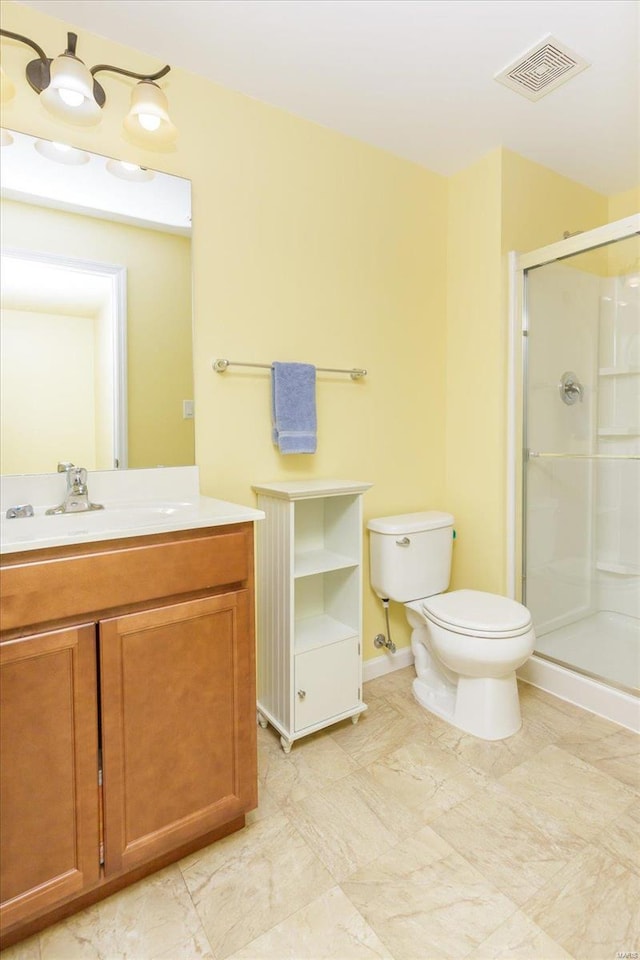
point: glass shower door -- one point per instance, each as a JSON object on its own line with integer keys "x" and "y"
{"x": 582, "y": 462}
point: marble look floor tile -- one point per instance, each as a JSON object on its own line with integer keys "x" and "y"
{"x": 347, "y": 824}
{"x": 398, "y": 681}
{"x": 519, "y": 938}
{"x": 406, "y": 704}
{"x": 621, "y": 838}
{"x": 556, "y": 721}
{"x": 268, "y": 806}
{"x": 590, "y": 907}
{"x": 570, "y": 790}
{"x": 496, "y": 757}
{"x": 313, "y": 762}
{"x": 516, "y": 847}
{"x": 329, "y": 927}
{"x": 380, "y": 730}
{"x": 617, "y": 755}
{"x": 151, "y": 919}
{"x": 424, "y": 900}
{"x": 246, "y": 883}
{"x": 424, "y": 778}
{"x": 27, "y": 950}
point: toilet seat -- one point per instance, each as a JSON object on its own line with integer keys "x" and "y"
{"x": 474, "y": 613}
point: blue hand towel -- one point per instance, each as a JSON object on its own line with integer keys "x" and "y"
{"x": 293, "y": 392}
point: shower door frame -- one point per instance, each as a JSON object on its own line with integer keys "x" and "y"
{"x": 594, "y": 695}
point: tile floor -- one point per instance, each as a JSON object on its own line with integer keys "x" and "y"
{"x": 402, "y": 838}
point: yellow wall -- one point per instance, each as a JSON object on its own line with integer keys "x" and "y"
{"x": 308, "y": 246}
{"x": 311, "y": 246}
{"x": 475, "y": 369}
{"x": 624, "y": 204}
{"x": 158, "y": 317}
{"x": 52, "y": 355}
{"x": 502, "y": 203}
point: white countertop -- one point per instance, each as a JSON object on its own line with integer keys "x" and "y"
{"x": 136, "y": 503}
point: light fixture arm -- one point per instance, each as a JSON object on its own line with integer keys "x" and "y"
{"x": 29, "y": 43}
{"x": 129, "y": 73}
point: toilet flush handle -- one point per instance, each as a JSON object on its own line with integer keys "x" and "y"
{"x": 404, "y": 542}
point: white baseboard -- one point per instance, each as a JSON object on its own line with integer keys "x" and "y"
{"x": 387, "y": 663}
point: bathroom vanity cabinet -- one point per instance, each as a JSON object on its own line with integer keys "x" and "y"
{"x": 128, "y": 713}
{"x": 309, "y": 606}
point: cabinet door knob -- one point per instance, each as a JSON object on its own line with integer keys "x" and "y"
{"x": 302, "y": 694}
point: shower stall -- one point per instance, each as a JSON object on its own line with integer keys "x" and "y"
{"x": 577, "y": 332}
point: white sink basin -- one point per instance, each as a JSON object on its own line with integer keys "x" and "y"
{"x": 118, "y": 519}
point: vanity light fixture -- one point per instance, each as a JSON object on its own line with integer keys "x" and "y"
{"x": 129, "y": 171}
{"x": 69, "y": 91}
{"x": 61, "y": 153}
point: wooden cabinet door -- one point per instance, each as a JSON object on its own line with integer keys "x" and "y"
{"x": 178, "y": 724}
{"x": 49, "y": 778}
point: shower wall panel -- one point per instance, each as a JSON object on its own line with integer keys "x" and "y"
{"x": 563, "y": 315}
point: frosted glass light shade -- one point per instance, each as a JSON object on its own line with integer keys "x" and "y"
{"x": 148, "y": 123}
{"x": 69, "y": 95}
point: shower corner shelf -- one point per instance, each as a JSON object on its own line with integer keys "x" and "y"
{"x": 618, "y": 371}
{"x": 618, "y": 432}
{"x": 309, "y": 606}
{"x": 621, "y": 569}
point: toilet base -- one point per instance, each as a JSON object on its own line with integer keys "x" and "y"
{"x": 486, "y": 707}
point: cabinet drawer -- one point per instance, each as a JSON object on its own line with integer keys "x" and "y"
{"x": 327, "y": 682}
{"x": 74, "y": 583}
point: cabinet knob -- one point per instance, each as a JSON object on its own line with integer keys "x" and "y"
{"x": 302, "y": 694}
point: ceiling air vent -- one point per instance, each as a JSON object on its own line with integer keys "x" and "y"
{"x": 541, "y": 70}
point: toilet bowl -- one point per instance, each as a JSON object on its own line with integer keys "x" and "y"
{"x": 467, "y": 644}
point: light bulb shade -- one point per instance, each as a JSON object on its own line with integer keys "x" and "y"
{"x": 129, "y": 171}
{"x": 148, "y": 123}
{"x": 69, "y": 95}
{"x": 7, "y": 87}
{"x": 62, "y": 153}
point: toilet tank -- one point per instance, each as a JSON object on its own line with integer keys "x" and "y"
{"x": 411, "y": 555}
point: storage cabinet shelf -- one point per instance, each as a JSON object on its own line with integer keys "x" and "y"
{"x": 320, "y": 631}
{"x": 309, "y": 606}
{"x": 320, "y": 561}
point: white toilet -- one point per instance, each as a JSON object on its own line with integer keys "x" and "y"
{"x": 467, "y": 644}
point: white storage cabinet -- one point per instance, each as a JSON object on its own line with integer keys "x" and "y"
{"x": 309, "y": 605}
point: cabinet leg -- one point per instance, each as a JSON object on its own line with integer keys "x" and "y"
{"x": 355, "y": 718}
{"x": 262, "y": 721}
{"x": 286, "y": 744}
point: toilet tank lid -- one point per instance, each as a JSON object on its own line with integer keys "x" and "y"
{"x": 411, "y": 522}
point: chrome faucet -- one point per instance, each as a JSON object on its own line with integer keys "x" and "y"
{"x": 77, "y": 496}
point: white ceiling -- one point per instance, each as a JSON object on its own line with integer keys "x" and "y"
{"x": 414, "y": 77}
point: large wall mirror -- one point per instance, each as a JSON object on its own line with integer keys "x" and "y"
{"x": 96, "y": 319}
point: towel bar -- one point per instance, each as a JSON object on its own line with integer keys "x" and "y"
{"x": 221, "y": 365}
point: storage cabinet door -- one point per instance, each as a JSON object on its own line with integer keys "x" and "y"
{"x": 326, "y": 682}
{"x": 49, "y": 776}
{"x": 178, "y": 722}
